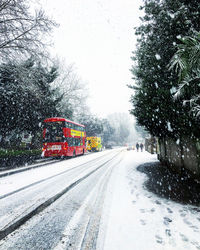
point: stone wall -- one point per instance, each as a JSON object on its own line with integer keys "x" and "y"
{"x": 181, "y": 154}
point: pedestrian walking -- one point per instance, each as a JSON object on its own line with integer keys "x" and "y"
{"x": 141, "y": 146}
{"x": 137, "y": 146}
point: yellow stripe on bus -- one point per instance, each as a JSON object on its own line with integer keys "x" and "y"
{"x": 77, "y": 133}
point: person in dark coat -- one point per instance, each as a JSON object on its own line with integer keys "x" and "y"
{"x": 141, "y": 146}
{"x": 137, "y": 146}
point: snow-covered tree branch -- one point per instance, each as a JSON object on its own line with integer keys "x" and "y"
{"x": 22, "y": 33}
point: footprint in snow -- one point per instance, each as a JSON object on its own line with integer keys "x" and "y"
{"x": 168, "y": 232}
{"x": 183, "y": 237}
{"x": 195, "y": 228}
{"x": 137, "y": 195}
{"x": 196, "y": 244}
{"x": 142, "y": 210}
{"x": 167, "y": 220}
{"x": 153, "y": 210}
{"x": 169, "y": 210}
{"x": 183, "y": 210}
{"x": 143, "y": 222}
{"x": 182, "y": 214}
{"x": 158, "y": 202}
{"x": 159, "y": 239}
{"x": 196, "y": 210}
{"x": 187, "y": 222}
{"x": 148, "y": 195}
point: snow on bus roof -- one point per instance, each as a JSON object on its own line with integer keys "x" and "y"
{"x": 55, "y": 119}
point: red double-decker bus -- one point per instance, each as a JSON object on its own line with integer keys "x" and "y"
{"x": 62, "y": 137}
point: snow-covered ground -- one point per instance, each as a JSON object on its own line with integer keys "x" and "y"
{"x": 10, "y": 183}
{"x": 131, "y": 217}
{"x": 138, "y": 219}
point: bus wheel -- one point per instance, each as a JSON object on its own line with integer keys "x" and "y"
{"x": 74, "y": 154}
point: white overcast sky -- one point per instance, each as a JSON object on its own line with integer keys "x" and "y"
{"x": 98, "y": 37}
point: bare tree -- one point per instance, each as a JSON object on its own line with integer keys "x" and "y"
{"x": 74, "y": 91}
{"x": 124, "y": 130}
{"x": 22, "y": 33}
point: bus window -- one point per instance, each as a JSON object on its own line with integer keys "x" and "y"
{"x": 54, "y": 131}
{"x": 69, "y": 141}
{"x": 74, "y": 141}
{"x": 81, "y": 141}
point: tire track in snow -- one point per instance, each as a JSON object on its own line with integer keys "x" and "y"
{"x": 20, "y": 221}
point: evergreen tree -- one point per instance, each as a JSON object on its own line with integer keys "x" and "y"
{"x": 154, "y": 106}
{"x": 26, "y": 97}
{"x": 186, "y": 62}
{"x": 108, "y": 132}
{"x": 93, "y": 125}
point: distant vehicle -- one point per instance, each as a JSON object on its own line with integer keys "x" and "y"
{"x": 94, "y": 144}
{"x": 108, "y": 146}
{"x": 62, "y": 137}
{"x": 129, "y": 148}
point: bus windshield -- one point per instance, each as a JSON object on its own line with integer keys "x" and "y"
{"x": 54, "y": 131}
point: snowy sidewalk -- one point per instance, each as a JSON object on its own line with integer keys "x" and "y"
{"x": 141, "y": 220}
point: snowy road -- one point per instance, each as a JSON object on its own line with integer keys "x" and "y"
{"x": 97, "y": 201}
